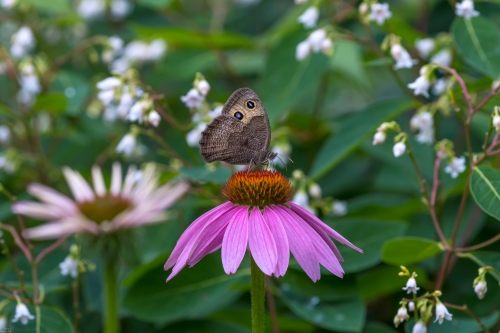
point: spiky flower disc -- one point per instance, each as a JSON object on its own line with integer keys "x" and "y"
{"x": 258, "y": 188}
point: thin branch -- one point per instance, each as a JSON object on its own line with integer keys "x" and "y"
{"x": 50, "y": 248}
{"x": 461, "y": 82}
{"x": 17, "y": 240}
{"x": 487, "y": 98}
{"x": 480, "y": 245}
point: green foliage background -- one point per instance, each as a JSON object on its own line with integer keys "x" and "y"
{"x": 330, "y": 106}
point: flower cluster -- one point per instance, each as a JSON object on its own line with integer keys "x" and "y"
{"x": 424, "y": 123}
{"x": 316, "y": 42}
{"x": 23, "y": 42}
{"x": 92, "y": 9}
{"x": 309, "y": 18}
{"x": 121, "y": 57}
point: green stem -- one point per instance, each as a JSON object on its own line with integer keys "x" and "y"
{"x": 258, "y": 297}
{"x": 111, "y": 323}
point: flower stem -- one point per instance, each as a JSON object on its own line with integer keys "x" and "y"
{"x": 111, "y": 322}
{"x": 258, "y": 298}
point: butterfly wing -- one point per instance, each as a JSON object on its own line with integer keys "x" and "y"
{"x": 230, "y": 140}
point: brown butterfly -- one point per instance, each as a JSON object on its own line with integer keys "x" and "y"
{"x": 241, "y": 134}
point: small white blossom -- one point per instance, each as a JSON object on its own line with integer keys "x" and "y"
{"x": 300, "y": 198}
{"x": 156, "y": 49}
{"x": 380, "y": 12}
{"x": 3, "y": 324}
{"x": 4, "y": 134}
{"x": 203, "y": 87}
{"x": 443, "y": 57}
{"x": 411, "y": 286}
{"x": 303, "y": 50}
{"x": 120, "y": 65}
{"x": 8, "y": 4}
{"x": 126, "y": 145}
{"x": 411, "y": 306}
{"x": 403, "y": 314}
{"x": 456, "y": 166}
{"x": 137, "y": 51}
{"x": 106, "y": 97}
{"x": 363, "y": 8}
{"x": 22, "y": 314}
{"x": 440, "y": 86}
{"x": 193, "y": 99}
{"x": 379, "y": 138}
{"x": 30, "y": 85}
{"x": 419, "y": 327}
{"x": 120, "y": 8}
{"x": 339, "y": 208}
{"x": 420, "y": 86}
{"x": 194, "y": 136}
{"x": 23, "y": 41}
{"x": 154, "y": 118}
{"x": 442, "y": 313}
{"x": 309, "y": 18}
{"x": 466, "y": 9}
{"x": 422, "y": 121}
{"x": 316, "y": 39}
{"x": 91, "y": 9}
{"x": 327, "y": 46}
{"x": 399, "y": 149}
{"x": 402, "y": 57}
{"x": 426, "y": 136}
{"x": 109, "y": 83}
{"x": 315, "y": 190}
{"x": 495, "y": 85}
{"x": 480, "y": 289}
{"x": 69, "y": 267}
{"x": 126, "y": 102}
{"x": 496, "y": 123}
{"x": 116, "y": 43}
{"x": 137, "y": 111}
{"x": 425, "y": 46}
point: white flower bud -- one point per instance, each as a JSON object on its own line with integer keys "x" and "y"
{"x": 411, "y": 306}
{"x": 70, "y": 267}
{"x": 303, "y": 50}
{"x": 480, "y": 289}
{"x": 466, "y": 9}
{"x": 327, "y": 46}
{"x": 496, "y": 122}
{"x": 22, "y": 314}
{"x": 399, "y": 149}
{"x": 442, "y": 313}
{"x": 379, "y": 138}
{"x": 126, "y": 145}
{"x": 315, "y": 190}
{"x": 402, "y": 314}
{"x": 154, "y": 118}
{"x": 309, "y": 17}
{"x": 419, "y": 327}
{"x": 203, "y": 87}
{"x": 316, "y": 39}
{"x": 411, "y": 286}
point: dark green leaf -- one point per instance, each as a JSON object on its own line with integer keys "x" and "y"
{"x": 51, "y": 7}
{"x": 155, "y": 4}
{"x": 354, "y": 131}
{"x": 409, "y": 250}
{"x": 478, "y": 42}
{"x": 206, "y": 326}
{"x": 203, "y": 174}
{"x": 485, "y": 188}
{"x": 458, "y": 324}
{"x": 52, "y": 320}
{"x": 374, "y": 327}
{"x": 54, "y": 102}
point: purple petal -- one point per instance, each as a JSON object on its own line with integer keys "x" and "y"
{"x": 214, "y": 245}
{"x": 190, "y": 234}
{"x": 279, "y": 234}
{"x": 235, "y": 241}
{"x": 39, "y": 210}
{"x": 116, "y": 179}
{"x": 311, "y": 219}
{"x": 61, "y": 228}
{"x": 48, "y": 195}
{"x": 80, "y": 189}
{"x": 323, "y": 252}
{"x": 300, "y": 244}
{"x": 262, "y": 245}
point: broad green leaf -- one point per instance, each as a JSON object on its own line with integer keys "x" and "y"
{"x": 203, "y": 174}
{"x": 206, "y": 326}
{"x": 385, "y": 280}
{"x": 486, "y": 258}
{"x": 458, "y": 324}
{"x": 51, "y": 7}
{"x": 187, "y": 38}
{"x": 53, "y": 102}
{"x": 155, "y": 4}
{"x": 51, "y": 320}
{"x": 348, "y": 59}
{"x": 485, "y": 188}
{"x": 354, "y": 130}
{"x": 194, "y": 293}
{"x": 478, "y": 42}
{"x": 74, "y": 86}
{"x": 370, "y": 236}
{"x": 344, "y": 316}
{"x": 409, "y": 250}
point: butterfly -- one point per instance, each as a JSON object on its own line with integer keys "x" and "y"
{"x": 240, "y": 134}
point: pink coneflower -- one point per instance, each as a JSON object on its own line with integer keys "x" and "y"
{"x": 260, "y": 216}
{"x": 127, "y": 204}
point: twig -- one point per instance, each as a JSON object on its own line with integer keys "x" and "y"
{"x": 17, "y": 240}
{"x": 487, "y": 98}
{"x": 461, "y": 82}
{"x": 50, "y": 248}
{"x": 19, "y": 273}
{"x": 480, "y": 245}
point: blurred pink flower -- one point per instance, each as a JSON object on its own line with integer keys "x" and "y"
{"x": 128, "y": 204}
{"x": 260, "y": 216}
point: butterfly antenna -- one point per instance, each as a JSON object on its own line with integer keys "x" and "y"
{"x": 284, "y": 164}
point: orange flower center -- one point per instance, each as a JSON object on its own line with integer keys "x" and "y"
{"x": 104, "y": 208}
{"x": 258, "y": 188}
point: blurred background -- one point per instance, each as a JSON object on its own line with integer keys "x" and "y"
{"x": 324, "y": 109}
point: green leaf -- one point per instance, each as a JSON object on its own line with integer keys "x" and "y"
{"x": 155, "y": 4}
{"x": 194, "y": 293}
{"x": 53, "y": 102}
{"x": 206, "y": 326}
{"x": 370, "y": 236}
{"x": 52, "y": 320}
{"x": 51, "y": 7}
{"x": 75, "y": 87}
{"x": 485, "y": 188}
{"x": 187, "y": 38}
{"x": 385, "y": 280}
{"x": 478, "y": 42}
{"x": 374, "y": 327}
{"x": 458, "y": 324}
{"x": 409, "y": 250}
{"x": 217, "y": 176}
{"x": 486, "y": 258}
{"x": 354, "y": 131}
{"x": 344, "y": 317}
